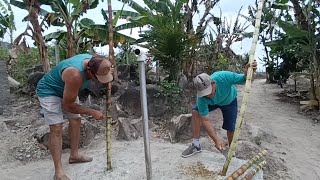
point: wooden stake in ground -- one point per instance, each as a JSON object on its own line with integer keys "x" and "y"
{"x": 109, "y": 85}
{"x": 250, "y": 174}
{"x": 246, "y": 166}
{"x": 246, "y": 92}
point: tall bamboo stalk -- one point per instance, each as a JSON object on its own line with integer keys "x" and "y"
{"x": 109, "y": 85}
{"x": 250, "y": 174}
{"x": 247, "y": 90}
{"x": 246, "y": 166}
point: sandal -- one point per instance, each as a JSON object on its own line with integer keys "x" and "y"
{"x": 81, "y": 159}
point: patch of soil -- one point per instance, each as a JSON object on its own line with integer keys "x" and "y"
{"x": 199, "y": 170}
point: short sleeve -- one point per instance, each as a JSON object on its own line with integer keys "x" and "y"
{"x": 202, "y": 106}
{"x": 234, "y": 78}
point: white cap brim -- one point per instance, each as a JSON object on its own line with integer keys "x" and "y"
{"x": 205, "y": 92}
{"x": 106, "y": 78}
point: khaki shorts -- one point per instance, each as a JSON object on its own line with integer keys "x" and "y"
{"x": 52, "y": 110}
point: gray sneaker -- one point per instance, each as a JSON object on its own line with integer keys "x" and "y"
{"x": 191, "y": 150}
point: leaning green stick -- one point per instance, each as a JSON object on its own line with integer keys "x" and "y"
{"x": 247, "y": 91}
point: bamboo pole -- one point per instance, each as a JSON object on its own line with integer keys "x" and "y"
{"x": 246, "y": 166}
{"x": 109, "y": 85}
{"x": 247, "y": 90}
{"x": 250, "y": 174}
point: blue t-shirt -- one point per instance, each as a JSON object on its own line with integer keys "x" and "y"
{"x": 52, "y": 84}
{"x": 225, "y": 93}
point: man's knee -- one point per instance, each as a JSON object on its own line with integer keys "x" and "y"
{"x": 56, "y": 129}
{"x": 195, "y": 113}
{"x": 74, "y": 121}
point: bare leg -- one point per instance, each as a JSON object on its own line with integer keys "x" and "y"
{"x": 195, "y": 124}
{"x": 55, "y": 146}
{"x": 74, "y": 134}
{"x": 230, "y": 137}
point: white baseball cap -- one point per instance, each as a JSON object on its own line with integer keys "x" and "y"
{"x": 202, "y": 84}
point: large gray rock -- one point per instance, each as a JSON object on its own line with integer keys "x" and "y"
{"x": 130, "y": 128}
{"x": 154, "y": 78}
{"x": 13, "y": 53}
{"x": 87, "y": 132}
{"x": 179, "y": 125}
{"x": 3, "y": 127}
{"x": 4, "y": 85}
{"x": 182, "y": 81}
{"x": 131, "y": 103}
{"x": 127, "y": 72}
{"x": 180, "y": 128}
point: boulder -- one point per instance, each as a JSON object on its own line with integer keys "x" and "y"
{"x": 180, "y": 128}
{"x": 13, "y": 83}
{"x": 154, "y": 78}
{"x": 13, "y": 53}
{"x": 87, "y": 132}
{"x": 4, "y": 85}
{"x": 127, "y": 72}
{"x": 32, "y": 82}
{"x": 37, "y": 68}
{"x": 131, "y": 103}
{"x": 3, "y": 127}
{"x": 97, "y": 89}
{"x": 131, "y": 128}
{"x": 182, "y": 81}
{"x": 179, "y": 125}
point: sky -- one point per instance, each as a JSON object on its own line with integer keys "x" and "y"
{"x": 229, "y": 9}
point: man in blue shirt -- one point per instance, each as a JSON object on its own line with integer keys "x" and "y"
{"x": 58, "y": 92}
{"x": 215, "y": 91}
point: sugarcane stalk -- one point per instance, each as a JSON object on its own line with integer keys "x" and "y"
{"x": 252, "y": 173}
{"x": 246, "y": 166}
{"x": 109, "y": 85}
{"x": 246, "y": 92}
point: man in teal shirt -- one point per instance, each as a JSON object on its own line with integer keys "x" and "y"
{"x": 215, "y": 91}
{"x": 58, "y": 92}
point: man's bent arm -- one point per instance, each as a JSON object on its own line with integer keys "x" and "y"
{"x": 73, "y": 81}
{"x": 209, "y": 128}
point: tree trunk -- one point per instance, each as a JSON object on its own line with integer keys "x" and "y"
{"x": 312, "y": 89}
{"x": 38, "y": 37}
{"x": 57, "y": 52}
{"x": 300, "y": 17}
{"x": 71, "y": 48}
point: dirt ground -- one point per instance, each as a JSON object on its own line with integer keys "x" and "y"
{"x": 272, "y": 122}
{"x": 297, "y": 136}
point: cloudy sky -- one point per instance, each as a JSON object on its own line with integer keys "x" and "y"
{"x": 229, "y": 10}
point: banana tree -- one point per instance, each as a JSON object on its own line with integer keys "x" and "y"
{"x": 90, "y": 34}
{"x": 166, "y": 38}
{"x": 35, "y": 27}
{"x": 301, "y": 41}
{"x": 6, "y": 20}
{"x": 68, "y": 13}
{"x": 228, "y": 34}
{"x": 150, "y": 15}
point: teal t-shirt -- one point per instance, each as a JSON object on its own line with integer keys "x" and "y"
{"x": 225, "y": 93}
{"x": 52, "y": 84}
